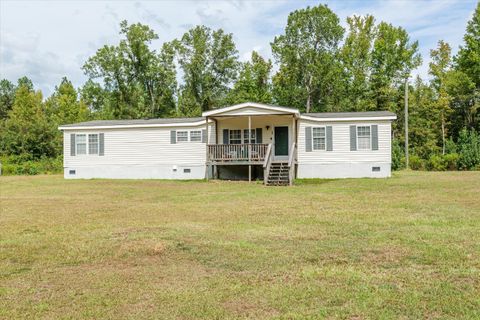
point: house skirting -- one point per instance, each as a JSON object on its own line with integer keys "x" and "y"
{"x": 161, "y": 171}
{"x": 344, "y": 170}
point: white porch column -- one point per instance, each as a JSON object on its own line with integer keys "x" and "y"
{"x": 249, "y": 148}
{"x": 206, "y": 150}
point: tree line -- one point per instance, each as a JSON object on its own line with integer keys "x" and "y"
{"x": 320, "y": 67}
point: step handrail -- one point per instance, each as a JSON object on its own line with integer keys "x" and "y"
{"x": 291, "y": 165}
{"x": 267, "y": 163}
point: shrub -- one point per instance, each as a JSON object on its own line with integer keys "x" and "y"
{"x": 416, "y": 163}
{"x": 436, "y": 163}
{"x": 23, "y": 165}
{"x": 469, "y": 150}
{"x": 398, "y": 156}
{"x": 451, "y": 161}
{"x": 450, "y": 146}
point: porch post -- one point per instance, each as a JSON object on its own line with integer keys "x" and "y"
{"x": 294, "y": 130}
{"x": 249, "y": 148}
{"x": 206, "y": 148}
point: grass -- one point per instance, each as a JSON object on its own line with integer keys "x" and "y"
{"x": 405, "y": 247}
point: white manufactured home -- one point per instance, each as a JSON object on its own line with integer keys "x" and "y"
{"x": 245, "y": 141}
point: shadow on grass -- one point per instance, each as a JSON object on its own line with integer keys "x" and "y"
{"x": 314, "y": 181}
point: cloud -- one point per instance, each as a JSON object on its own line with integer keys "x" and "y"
{"x": 150, "y": 16}
{"x": 53, "y": 39}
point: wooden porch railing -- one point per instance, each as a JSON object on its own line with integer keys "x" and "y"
{"x": 249, "y": 152}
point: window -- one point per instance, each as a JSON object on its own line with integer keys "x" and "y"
{"x": 363, "y": 138}
{"x": 195, "y": 135}
{"x": 235, "y": 136}
{"x": 376, "y": 169}
{"x": 252, "y": 136}
{"x": 182, "y": 136}
{"x": 81, "y": 144}
{"x": 93, "y": 144}
{"x": 318, "y": 136}
{"x": 71, "y": 172}
{"x": 187, "y": 170}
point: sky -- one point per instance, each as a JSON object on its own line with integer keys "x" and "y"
{"x": 47, "y": 40}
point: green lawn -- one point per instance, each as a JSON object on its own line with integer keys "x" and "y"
{"x": 405, "y": 247}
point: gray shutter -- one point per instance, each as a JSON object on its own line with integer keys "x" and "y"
{"x": 353, "y": 138}
{"x": 204, "y": 136}
{"x": 329, "y": 139}
{"x": 308, "y": 139}
{"x": 374, "y": 137}
{"x": 225, "y": 136}
{"x": 101, "y": 144}
{"x": 173, "y": 137}
{"x": 72, "y": 144}
{"x": 258, "y": 135}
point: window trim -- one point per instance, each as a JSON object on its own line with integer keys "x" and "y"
{"x": 324, "y": 136}
{"x": 369, "y": 136}
{"x": 248, "y": 141}
{"x": 199, "y": 135}
{"x": 230, "y": 136}
{"x": 98, "y": 144}
{"x": 187, "y": 136}
{"x": 76, "y": 144}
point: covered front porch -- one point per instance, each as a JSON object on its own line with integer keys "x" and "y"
{"x": 251, "y": 135}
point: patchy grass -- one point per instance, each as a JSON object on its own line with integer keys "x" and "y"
{"x": 405, "y": 247}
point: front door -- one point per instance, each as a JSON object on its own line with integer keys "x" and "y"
{"x": 281, "y": 142}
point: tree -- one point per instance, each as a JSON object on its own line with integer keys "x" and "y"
{"x": 64, "y": 107}
{"x": 140, "y": 82}
{"x": 27, "y": 129}
{"x": 423, "y": 135}
{"x": 439, "y": 68}
{"x": 7, "y": 95}
{"x": 465, "y": 102}
{"x": 306, "y": 53}
{"x": 96, "y": 99}
{"x": 253, "y": 83}
{"x": 468, "y": 57}
{"x": 356, "y": 55}
{"x": 393, "y": 58}
{"x": 25, "y": 82}
{"x": 464, "y": 83}
{"x": 209, "y": 61}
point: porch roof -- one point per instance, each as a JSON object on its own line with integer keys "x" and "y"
{"x": 251, "y": 109}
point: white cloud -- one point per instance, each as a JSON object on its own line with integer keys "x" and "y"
{"x": 46, "y": 40}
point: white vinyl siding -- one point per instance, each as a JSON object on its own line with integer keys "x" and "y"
{"x": 81, "y": 144}
{"x": 364, "y": 138}
{"x": 341, "y": 141}
{"x": 93, "y": 143}
{"x": 196, "y": 136}
{"x": 318, "y": 138}
{"x": 266, "y": 123}
{"x": 140, "y": 147}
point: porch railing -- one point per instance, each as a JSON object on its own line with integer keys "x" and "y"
{"x": 251, "y": 152}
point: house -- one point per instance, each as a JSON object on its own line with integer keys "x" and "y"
{"x": 244, "y": 141}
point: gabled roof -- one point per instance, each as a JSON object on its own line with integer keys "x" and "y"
{"x": 250, "y": 108}
{"x": 345, "y": 116}
{"x": 243, "y": 109}
{"x": 158, "y": 122}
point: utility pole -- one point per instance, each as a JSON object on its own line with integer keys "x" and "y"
{"x": 406, "y": 122}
